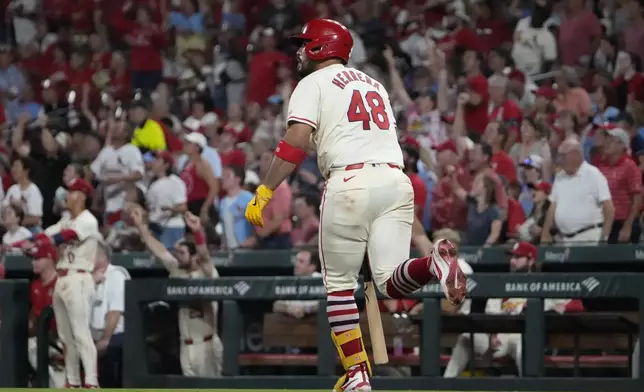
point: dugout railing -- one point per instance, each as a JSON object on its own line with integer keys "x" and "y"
{"x": 535, "y": 287}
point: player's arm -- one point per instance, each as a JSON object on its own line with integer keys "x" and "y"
{"x": 203, "y": 256}
{"x": 290, "y": 152}
{"x": 157, "y": 248}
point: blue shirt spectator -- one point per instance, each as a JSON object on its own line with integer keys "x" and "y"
{"x": 12, "y": 83}
{"x": 235, "y": 227}
{"x": 187, "y": 24}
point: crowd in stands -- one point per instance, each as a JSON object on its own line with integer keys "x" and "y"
{"x": 519, "y": 120}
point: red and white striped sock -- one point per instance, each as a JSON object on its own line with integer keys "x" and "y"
{"x": 343, "y": 316}
{"x": 410, "y": 276}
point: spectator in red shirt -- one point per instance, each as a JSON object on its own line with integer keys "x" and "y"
{"x": 630, "y": 82}
{"x": 502, "y": 109}
{"x": 228, "y": 151}
{"x": 476, "y": 110}
{"x": 411, "y": 157}
{"x": 625, "y": 184}
{"x": 447, "y": 211}
{"x": 579, "y": 32}
{"x": 262, "y": 70}
{"x": 77, "y": 73}
{"x": 276, "y": 233}
{"x": 481, "y": 165}
{"x": 100, "y": 57}
{"x": 496, "y": 135}
{"x": 236, "y": 123}
{"x": 459, "y": 35}
{"x": 146, "y": 40}
{"x": 120, "y": 85}
{"x": 306, "y": 211}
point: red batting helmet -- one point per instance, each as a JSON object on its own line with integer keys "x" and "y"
{"x": 325, "y": 39}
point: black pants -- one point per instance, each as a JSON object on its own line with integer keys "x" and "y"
{"x": 278, "y": 241}
{"x": 110, "y": 364}
{"x": 636, "y": 231}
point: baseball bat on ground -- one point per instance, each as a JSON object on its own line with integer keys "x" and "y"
{"x": 378, "y": 345}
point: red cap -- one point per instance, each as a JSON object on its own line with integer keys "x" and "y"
{"x": 2, "y": 271}
{"x": 447, "y": 145}
{"x": 515, "y": 74}
{"x": 408, "y": 140}
{"x": 166, "y": 156}
{"x": 524, "y": 249}
{"x": 542, "y": 186}
{"x": 546, "y": 92}
{"x": 607, "y": 126}
{"x": 45, "y": 250}
{"x": 81, "y": 185}
{"x": 231, "y": 131}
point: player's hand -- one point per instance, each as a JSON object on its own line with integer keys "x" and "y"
{"x": 257, "y": 204}
{"x": 192, "y": 221}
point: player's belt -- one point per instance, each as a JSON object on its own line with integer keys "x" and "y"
{"x": 193, "y": 341}
{"x": 358, "y": 166}
{"x": 65, "y": 271}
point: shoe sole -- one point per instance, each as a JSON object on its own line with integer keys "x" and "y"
{"x": 455, "y": 284}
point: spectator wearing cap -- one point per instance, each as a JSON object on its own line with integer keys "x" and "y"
{"x": 544, "y": 109}
{"x": 502, "y": 109}
{"x": 476, "y": 88}
{"x": 530, "y": 172}
{"x": 411, "y": 158}
{"x": 227, "y": 148}
{"x": 25, "y": 194}
{"x": 146, "y": 40}
{"x": 262, "y": 69}
{"x": 12, "y": 82}
{"x": 625, "y": 185}
{"x": 534, "y": 47}
{"x": 148, "y": 134}
{"x": 579, "y": 32}
{"x": 12, "y": 216}
{"x": 496, "y": 135}
{"x": 166, "y": 199}
{"x": 106, "y": 319}
{"x": 532, "y": 144}
{"x": 521, "y": 90}
{"x": 41, "y": 291}
{"x": 237, "y": 231}
{"x": 201, "y": 184}
{"x": 581, "y": 207}
{"x": 118, "y": 166}
{"x": 571, "y": 96}
{"x": 446, "y": 210}
{"x": 629, "y": 80}
{"x": 530, "y": 230}
{"x": 625, "y": 121}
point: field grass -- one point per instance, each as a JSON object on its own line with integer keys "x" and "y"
{"x": 201, "y": 390}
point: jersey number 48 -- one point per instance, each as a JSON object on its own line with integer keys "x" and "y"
{"x": 376, "y": 113}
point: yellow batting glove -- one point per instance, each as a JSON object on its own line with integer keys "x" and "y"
{"x": 257, "y": 204}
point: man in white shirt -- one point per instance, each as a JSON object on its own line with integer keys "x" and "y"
{"x": 166, "y": 200}
{"x": 118, "y": 164}
{"x": 106, "y": 320}
{"x": 581, "y": 205}
{"x": 533, "y": 47}
{"x": 25, "y": 194}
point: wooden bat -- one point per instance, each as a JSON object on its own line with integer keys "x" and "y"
{"x": 378, "y": 345}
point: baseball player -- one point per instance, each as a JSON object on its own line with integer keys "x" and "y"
{"x": 74, "y": 289}
{"x": 523, "y": 259}
{"x": 201, "y": 351}
{"x": 41, "y": 293}
{"x": 367, "y": 204}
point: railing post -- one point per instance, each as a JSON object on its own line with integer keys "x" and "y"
{"x": 135, "y": 362}
{"x": 534, "y": 339}
{"x": 640, "y": 339}
{"x": 326, "y": 348}
{"x": 42, "y": 347}
{"x": 13, "y": 334}
{"x": 231, "y": 337}
{"x": 430, "y": 338}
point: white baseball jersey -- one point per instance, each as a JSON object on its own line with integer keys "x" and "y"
{"x": 80, "y": 254}
{"x": 126, "y": 159}
{"x": 198, "y": 319}
{"x": 351, "y": 115}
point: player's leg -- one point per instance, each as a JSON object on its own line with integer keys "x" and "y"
{"x": 389, "y": 244}
{"x": 78, "y": 308}
{"x": 217, "y": 355}
{"x": 32, "y": 352}
{"x": 65, "y": 334}
{"x": 342, "y": 245}
{"x": 515, "y": 350}
{"x": 462, "y": 352}
{"x": 185, "y": 359}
